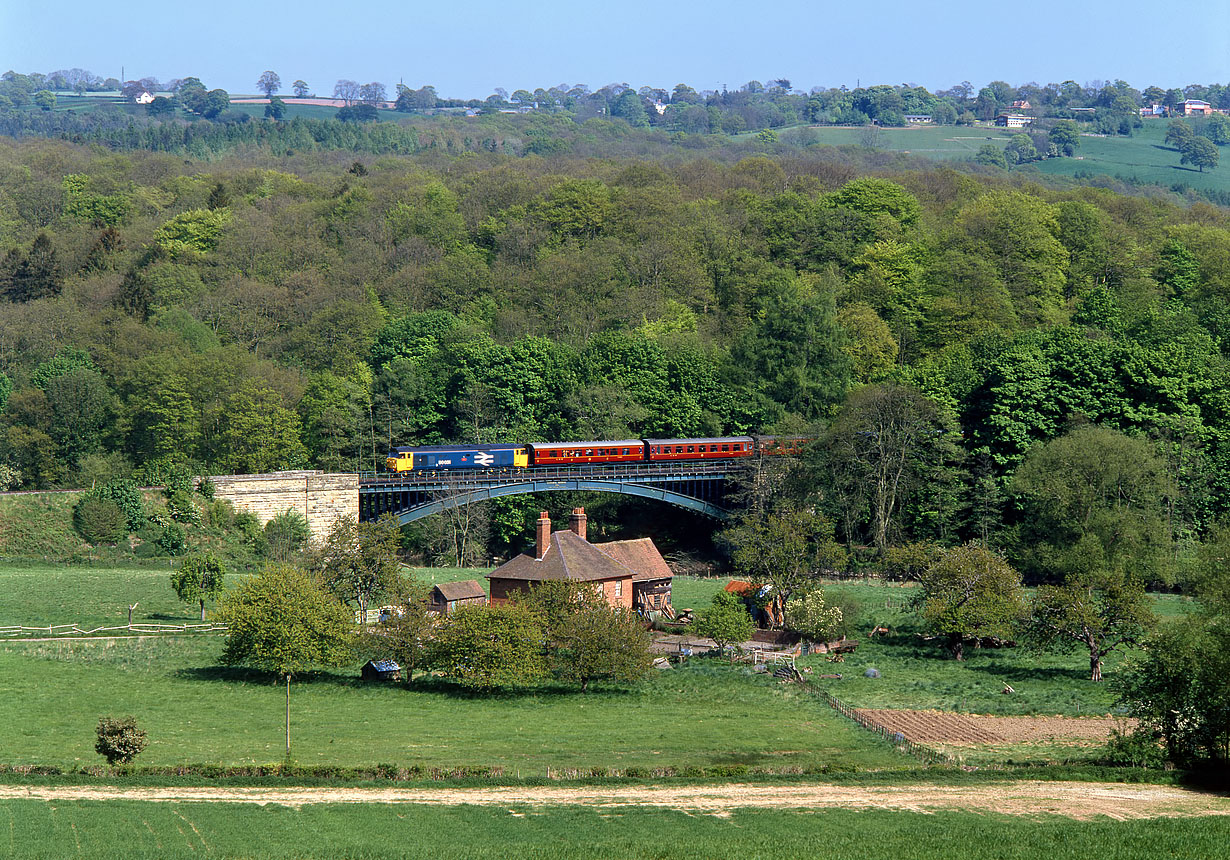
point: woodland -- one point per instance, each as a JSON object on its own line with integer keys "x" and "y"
{"x": 262, "y": 310}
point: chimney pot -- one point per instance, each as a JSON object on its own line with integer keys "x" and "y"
{"x": 544, "y": 535}
{"x": 577, "y": 522}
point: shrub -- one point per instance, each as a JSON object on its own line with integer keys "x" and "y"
{"x": 125, "y": 494}
{"x": 181, "y": 507}
{"x": 206, "y": 488}
{"x": 171, "y": 539}
{"x": 286, "y": 534}
{"x": 120, "y": 741}
{"x": 99, "y": 520}
{"x": 221, "y": 514}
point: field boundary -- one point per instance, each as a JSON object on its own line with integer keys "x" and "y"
{"x": 925, "y": 753}
{"x": 57, "y": 631}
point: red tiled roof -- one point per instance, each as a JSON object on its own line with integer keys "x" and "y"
{"x": 568, "y": 558}
{"x": 641, "y": 555}
{"x": 464, "y": 590}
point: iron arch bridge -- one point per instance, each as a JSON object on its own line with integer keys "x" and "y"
{"x": 698, "y": 487}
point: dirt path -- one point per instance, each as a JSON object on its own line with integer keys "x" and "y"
{"x": 1072, "y": 799}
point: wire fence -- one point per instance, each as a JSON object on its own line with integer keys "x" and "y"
{"x": 17, "y": 631}
{"x": 927, "y": 754}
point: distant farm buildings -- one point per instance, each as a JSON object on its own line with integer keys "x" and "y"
{"x": 1013, "y": 120}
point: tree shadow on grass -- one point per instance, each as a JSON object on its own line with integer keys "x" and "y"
{"x": 432, "y": 685}
{"x": 1033, "y": 673}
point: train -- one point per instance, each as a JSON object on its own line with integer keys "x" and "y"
{"x": 528, "y": 455}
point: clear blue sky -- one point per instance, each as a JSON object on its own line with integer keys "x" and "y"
{"x": 467, "y": 49}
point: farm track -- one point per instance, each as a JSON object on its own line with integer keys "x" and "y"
{"x": 1076, "y": 800}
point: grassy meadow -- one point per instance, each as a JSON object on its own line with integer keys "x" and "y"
{"x": 704, "y": 714}
{"x": 85, "y": 829}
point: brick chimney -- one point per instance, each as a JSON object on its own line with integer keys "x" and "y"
{"x": 577, "y": 522}
{"x": 544, "y": 535}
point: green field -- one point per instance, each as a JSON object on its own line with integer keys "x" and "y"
{"x": 130, "y": 829}
{"x": 1144, "y": 158}
{"x": 928, "y": 141}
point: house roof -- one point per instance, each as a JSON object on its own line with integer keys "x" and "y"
{"x": 464, "y": 590}
{"x": 569, "y": 558}
{"x": 641, "y": 556}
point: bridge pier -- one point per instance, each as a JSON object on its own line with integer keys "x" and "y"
{"x": 321, "y": 497}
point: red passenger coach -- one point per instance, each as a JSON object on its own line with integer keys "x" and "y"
{"x": 787, "y": 446}
{"x": 580, "y": 453}
{"x": 718, "y": 448}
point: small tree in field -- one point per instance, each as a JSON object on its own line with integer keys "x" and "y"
{"x": 199, "y": 578}
{"x": 490, "y": 646}
{"x": 120, "y": 741}
{"x": 971, "y": 592}
{"x": 358, "y": 562}
{"x": 282, "y": 622}
{"x": 600, "y": 642}
{"x": 725, "y": 621}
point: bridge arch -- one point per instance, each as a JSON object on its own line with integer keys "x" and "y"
{"x": 480, "y": 494}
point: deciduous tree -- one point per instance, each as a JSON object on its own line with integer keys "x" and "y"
{"x": 726, "y": 621}
{"x": 269, "y": 83}
{"x": 200, "y": 578}
{"x": 491, "y": 646}
{"x": 971, "y": 592}
{"x": 282, "y": 622}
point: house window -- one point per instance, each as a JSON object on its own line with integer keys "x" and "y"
{"x": 619, "y": 588}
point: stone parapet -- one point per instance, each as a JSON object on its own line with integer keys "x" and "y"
{"x": 321, "y": 497}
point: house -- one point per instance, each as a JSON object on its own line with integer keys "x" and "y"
{"x": 145, "y": 98}
{"x": 917, "y": 118}
{"x": 630, "y": 574}
{"x": 1013, "y": 120}
{"x": 1022, "y": 104}
{"x": 381, "y": 670}
{"x": 1153, "y": 111}
{"x": 1196, "y": 107}
{"x": 651, "y": 576}
{"x": 448, "y": 597}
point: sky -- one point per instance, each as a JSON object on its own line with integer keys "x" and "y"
{"x": 468, "y": 50}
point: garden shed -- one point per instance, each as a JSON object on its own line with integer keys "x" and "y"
{"x": 381, "y": 670}
{"x": 448, "y": 597}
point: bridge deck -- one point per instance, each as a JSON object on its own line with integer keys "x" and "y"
{"x": 698, "y": 486}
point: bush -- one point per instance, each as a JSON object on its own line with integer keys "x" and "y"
{"x": 286, "y": 535}
{"x": 181, "y": 507}
{"x": 171, "y": 539}
{"x": 221, "y": 514}
{"x": 127, "y": 497}
{"x": 99, "y": 520}
{"x": 120, "y": 741}
{"x": 206, "y": 488}
{"x": 1139, "y": 748}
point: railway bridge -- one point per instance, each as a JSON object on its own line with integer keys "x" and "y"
{"x": 703, "y": 487}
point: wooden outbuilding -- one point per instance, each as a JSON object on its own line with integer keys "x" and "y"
{"x": 448, "y": 597}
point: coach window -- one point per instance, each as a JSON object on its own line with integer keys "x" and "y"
{"x": 691, "y": 449}
{"x": 725, "y": 447}
{"x": 625, "y": 452}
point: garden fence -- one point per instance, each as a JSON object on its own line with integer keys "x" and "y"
{"x": 55, "y": 630}
{"x": 919, "y": 751}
